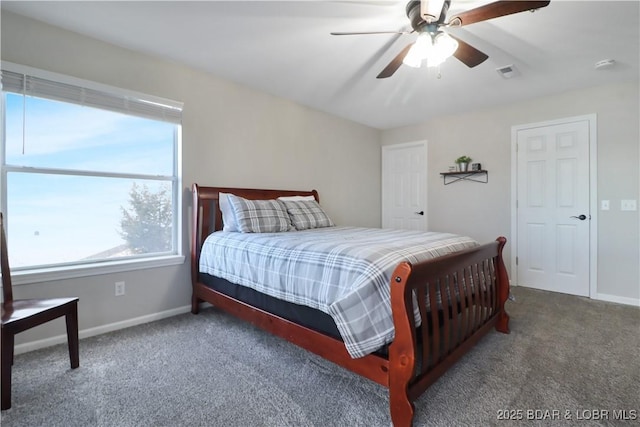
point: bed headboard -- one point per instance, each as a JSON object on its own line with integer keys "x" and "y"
{"x": 207, "y": 218}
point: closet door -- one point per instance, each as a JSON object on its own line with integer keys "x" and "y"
{"x": 404, "y": 186}
{"x": 553, "y": 215}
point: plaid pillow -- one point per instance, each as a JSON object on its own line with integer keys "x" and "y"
{"x": 259, "y": 216}
{"x": 307, "y": 214}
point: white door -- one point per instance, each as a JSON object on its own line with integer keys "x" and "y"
{"x": 404, "y": 186}
{"x": 553, "y": 216}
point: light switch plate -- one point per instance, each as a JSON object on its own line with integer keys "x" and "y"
{"x": 628, "y": 205}
{"x": 604, "y": 205}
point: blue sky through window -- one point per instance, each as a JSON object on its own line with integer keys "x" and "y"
{"x": 64, "y": 218}
{"x": 70, "y": 136}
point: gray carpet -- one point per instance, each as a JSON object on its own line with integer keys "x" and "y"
{"x": 564, "y": 353}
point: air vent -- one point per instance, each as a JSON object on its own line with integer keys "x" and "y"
{"x": 507, "y": 71}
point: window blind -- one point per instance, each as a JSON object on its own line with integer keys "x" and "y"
{"x": 24, "y": 84}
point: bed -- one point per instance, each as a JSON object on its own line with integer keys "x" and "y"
{"x": 431, "y": 305}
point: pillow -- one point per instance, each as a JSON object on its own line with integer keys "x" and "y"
{"x": 283, "y": 198}
{"x": 228, "y": 216}
{"x": 259, "y": 216}
{"x": 307, "y": 214}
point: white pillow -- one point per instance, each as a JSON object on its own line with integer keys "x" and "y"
{"x": 228, "y": 215}
{"x": 296, "y": 198}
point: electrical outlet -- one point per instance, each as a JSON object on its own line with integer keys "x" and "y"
{"x": 119, "y": 289}
{"x": 604, "y": 205}
{"x": 628, "y": 205}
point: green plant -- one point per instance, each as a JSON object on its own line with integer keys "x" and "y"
{"x": 464, "y": 159}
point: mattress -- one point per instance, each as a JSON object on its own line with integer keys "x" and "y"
{"x": 299, "y": 314}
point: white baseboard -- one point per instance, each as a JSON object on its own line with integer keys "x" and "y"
{"x": 103, "y": 329}
{"x": 609, "y": 298}
{"x": 620, "y": 300}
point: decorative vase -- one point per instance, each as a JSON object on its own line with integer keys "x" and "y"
{"x": 463, "y": 167}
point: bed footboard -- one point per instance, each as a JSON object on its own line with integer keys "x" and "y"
{"x": 460, "y": 298}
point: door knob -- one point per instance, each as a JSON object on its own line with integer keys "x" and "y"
{"x": 419, "y": 213}
{"x": 581, "y": 217}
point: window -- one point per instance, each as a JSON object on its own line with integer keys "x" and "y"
{"x": 90, "y": 174}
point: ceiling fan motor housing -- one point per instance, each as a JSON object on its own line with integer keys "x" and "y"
{"x": 419, "y": 24}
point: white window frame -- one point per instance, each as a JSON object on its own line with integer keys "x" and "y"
{"x": 45, "y": 274}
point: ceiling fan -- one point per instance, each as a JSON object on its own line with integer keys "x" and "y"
{"x": 429, "y": 19}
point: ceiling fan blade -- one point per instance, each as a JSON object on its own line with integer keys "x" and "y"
{"x": 494, "y": 10}
{"x": 467, "y": 54}
{"x": 337, "y": 33}
{"x": 394, "y": 64}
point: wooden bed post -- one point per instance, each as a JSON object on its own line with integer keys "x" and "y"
{"x": 402, "y": 357}
{"x": 196, "y": 245}
{"x": 502, "y": 325}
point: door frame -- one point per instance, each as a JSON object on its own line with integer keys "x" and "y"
{"x": 383, "y": 196}
{"x": 593, "y": 197}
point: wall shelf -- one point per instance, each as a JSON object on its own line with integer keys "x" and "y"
{"x": 475, "y": 176}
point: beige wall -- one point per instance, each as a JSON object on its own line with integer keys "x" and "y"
{"x": 484, "y": 210}
{"x": 232, "y": 136}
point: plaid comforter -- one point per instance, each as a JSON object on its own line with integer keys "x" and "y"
{"x": 342, "y": 271}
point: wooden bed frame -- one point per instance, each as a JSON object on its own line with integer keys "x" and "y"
{"x": 418, "y": 356}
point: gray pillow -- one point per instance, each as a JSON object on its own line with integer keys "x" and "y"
{"x": 259, "y": 216}
{"x": 306, "y": 214}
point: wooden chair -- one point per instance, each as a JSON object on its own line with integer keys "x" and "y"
{"x": 20, "y": 315}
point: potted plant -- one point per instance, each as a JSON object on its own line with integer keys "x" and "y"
{"x": 463, "y": 163}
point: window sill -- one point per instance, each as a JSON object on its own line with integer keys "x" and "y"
{"x": 70, "y": 272}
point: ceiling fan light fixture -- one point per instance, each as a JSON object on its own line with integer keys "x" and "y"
{"x": 443, "y": 47}
{"x": 434, "y": 49}
{"x": 419, "y": 51}
{"x": 412, "y": 61}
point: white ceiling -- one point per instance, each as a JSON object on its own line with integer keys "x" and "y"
{"x": 284, "y": 48}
